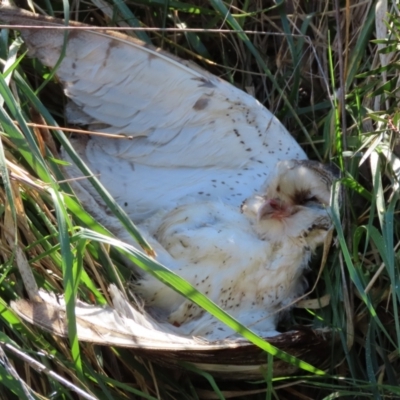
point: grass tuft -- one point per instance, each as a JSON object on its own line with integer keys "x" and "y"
{"x": 330, "y": 71}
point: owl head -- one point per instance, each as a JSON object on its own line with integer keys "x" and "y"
{"x": 294, "y": 202}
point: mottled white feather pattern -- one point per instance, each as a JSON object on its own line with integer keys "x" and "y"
{"x": 217, "y": 250}
{"x": 251, "y": 266}
{"x": 188, "y": 125}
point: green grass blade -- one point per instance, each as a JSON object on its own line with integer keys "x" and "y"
{"x": 183, "y": 287}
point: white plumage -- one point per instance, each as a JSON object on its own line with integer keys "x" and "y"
{"x": 196, "y": 175}
{"x": 249, "y": 261}
{"x": 196, "y": 137}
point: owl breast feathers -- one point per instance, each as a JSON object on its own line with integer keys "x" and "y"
{"x": 248, "y": 260}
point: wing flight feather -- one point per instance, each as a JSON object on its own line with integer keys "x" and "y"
{"x": 194, "y": 133}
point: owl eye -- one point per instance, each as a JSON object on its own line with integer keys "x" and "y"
{"x": 306, "y": 198}
{"x": 313, "y": 199}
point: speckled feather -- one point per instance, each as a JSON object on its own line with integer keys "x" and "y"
{"x": 196, "y": 137}
{"x": 251, "y": 265}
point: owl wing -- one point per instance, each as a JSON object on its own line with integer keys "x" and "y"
{"x": 182, "y": 118}
{"x": 180, "y": 114}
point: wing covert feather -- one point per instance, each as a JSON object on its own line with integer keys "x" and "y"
{"x": 182, "y": 115}
{"x": 195, "y": 136}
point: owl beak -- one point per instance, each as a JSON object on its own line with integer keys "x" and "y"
{"x": 274, "y": 208}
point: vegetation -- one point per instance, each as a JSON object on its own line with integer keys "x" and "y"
{"x": 329, "y": 70}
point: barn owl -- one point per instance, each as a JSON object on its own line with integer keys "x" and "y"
{"x": 197, "y": 174}
{"x": 249, "y": 260}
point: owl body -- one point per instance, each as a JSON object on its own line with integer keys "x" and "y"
{"x": 215, "y": 248}
{"x": 249, "y": 261}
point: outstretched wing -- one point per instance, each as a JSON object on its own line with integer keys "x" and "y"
{"x": 181, "y": 117}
